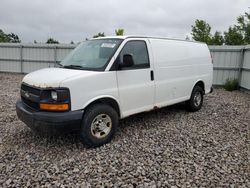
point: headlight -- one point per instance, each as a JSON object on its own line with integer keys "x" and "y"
{"x": 55, "y": 99}
{"x": 54, "y": 95}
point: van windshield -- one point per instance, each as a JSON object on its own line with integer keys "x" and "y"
{"x": 92, "y": 55}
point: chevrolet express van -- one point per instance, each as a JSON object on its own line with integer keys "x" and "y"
{"x": 110, "y": 78}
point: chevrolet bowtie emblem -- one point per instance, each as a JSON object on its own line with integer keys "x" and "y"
{"x": 26, "y": 94}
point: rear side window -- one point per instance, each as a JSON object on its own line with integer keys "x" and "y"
{"x": 138, "y": 50}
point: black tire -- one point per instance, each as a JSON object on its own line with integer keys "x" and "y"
{"x": 90, "y": 132}
{"x": 195, "y": 103}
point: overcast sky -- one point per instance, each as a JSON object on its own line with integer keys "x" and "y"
{"x": 67, "y": 20}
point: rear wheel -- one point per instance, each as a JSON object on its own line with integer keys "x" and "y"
{"x": 196, "y": 100}
{"x": 98, "y": 125}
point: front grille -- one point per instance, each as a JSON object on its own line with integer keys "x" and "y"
{"x": 31, "y": 104}
{"x": 30, "y": 96}
{"x": 30, "y": 89}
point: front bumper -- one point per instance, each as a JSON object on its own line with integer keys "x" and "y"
{"x": 49, "y": 122}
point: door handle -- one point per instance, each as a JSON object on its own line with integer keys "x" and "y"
{"x": 152, "y": 75}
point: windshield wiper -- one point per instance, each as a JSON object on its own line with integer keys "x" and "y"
{"x": 73, "y": 66}
{"x": 59, "y": 65}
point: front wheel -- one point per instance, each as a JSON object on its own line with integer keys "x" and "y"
{"x": 98, "y": 125}
{"x": 196, "y": 100}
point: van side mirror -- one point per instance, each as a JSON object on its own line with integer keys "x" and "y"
{"x": 128, "y": 61}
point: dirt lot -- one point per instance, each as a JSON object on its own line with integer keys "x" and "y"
{"x": 168, "y": 147}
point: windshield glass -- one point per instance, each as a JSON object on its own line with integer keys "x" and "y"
{"x": 92, "y": 54}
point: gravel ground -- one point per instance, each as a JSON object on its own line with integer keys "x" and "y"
{"x": 169, "y": 147}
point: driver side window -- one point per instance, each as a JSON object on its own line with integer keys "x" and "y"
{"x": 138, "y": 50}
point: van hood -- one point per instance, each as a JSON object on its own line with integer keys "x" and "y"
{"x": 52, "y": 77}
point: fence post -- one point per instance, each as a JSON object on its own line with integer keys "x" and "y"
{"x": 21, "y": 58}
{"x": 55, "y": 56}
{"x": 241, "y": 65}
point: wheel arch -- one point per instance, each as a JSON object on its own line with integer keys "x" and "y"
{"x": 201, "y": 84}
{"x": 109, "y": 100}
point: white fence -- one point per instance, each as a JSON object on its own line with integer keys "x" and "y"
{"x": 231, "y": 62}
{"x": 25, "y": 58}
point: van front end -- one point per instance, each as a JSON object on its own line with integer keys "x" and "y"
{"x": 53, "y": 100}
{"x": 47, "y": 110}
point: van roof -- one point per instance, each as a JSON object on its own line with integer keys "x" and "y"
{"x": 141, "y": 36}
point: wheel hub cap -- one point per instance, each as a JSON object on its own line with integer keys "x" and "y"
{"x": 101, "y": 125}
{"x": 197, "y": 98}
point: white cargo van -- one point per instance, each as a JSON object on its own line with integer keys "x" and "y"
{"x": 109, "y": 78}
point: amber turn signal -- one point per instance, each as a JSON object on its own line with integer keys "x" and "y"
{"x": 54, "y": 107}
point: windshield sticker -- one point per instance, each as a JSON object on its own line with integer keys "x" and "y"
{"x": 108, "y": 45}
